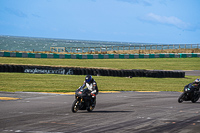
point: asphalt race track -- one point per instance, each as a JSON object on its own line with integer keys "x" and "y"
{"x": 138, "y": 112}
{"x": 192, "y": 72}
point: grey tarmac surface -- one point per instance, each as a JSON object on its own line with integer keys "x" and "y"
{"x": 192, "y": 72}
{"x": 137, "y": 112}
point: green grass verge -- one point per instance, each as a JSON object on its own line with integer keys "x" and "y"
{"x": 151, "y": 64}
{"x": 12, "y": 82}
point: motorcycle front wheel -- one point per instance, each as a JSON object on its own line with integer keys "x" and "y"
{"x": 75, "y": 106}
{"x": 181, "y": 97}
{"x": 91, "y": 107}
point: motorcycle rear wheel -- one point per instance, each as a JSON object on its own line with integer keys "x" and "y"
{"x": 75, "y": 106}
{"x": 195, "y": 99}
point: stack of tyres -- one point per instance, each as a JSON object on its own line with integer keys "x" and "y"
{"x": 148, "y": 74}
{"x": 174, "y": 75}
{"x": 122, "y": 73}
{"x": 117, "y": 73}
{"x": 167, "y": 74}
{"x": 137, "y": 73}
{"x": 154, "y": 74}
{"x": 1, "y": 68}
{"x": 179, "y": 74}
{"x": 91, "y": 71}
{"x": 14, "y": 67}
{"x": 133, "y": 73}
{"x": 10, "y": 68}
{"x": 130, "y": 73}
{"x": 6, "y": 69}
{"x": 87, "y": 72}
{"x": 17, "y": 68}
{"x": 114, "y": 73}
{"x": 79, "y": 72}
{"x": 111, "y": 73}
{"x": 100, "y": 72}
{"x": 162, "y": 74}
{"x": 21, "y": 68}
{"x": 95, "y": 72}
{"x": 107, "y": 72}
{"x": 76, "y": 71}
{"x": 126, "y": 73}
{"x": 182, "y": 74}
{"x": 83, "y": 71}
{"x": 158, "y": 74}
{"x": 170, "y": 73}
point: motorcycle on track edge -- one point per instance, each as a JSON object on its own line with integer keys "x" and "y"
{"x": 83, "y": 101}
{"x": 190, "y": 93}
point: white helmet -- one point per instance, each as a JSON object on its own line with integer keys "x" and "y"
{"x": 197, "y": 80}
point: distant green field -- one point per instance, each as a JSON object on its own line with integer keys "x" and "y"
{"x": 152, "y": 64}
{"x": 12, "y": 82}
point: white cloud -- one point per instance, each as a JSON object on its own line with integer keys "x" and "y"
{"x": 171, "y": 20}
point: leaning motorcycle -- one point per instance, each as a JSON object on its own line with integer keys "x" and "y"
{"x": 190, "y": 93}
{"x": 83, "y": 101}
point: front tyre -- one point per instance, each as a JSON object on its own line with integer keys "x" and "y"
{"x": 91, "y": 108}
{"x": 181, "y": 97}
{"x": 75, "y": 106}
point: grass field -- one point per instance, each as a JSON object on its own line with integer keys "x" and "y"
{"x": 13, "y": 82}
{"x": 152, "y": 64}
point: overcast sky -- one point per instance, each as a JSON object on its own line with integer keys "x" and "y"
{"x": 140, "y": 21}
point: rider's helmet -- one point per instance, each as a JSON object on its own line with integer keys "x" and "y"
{"x": 197, "y": 80}
{"x": 88, "y": 79}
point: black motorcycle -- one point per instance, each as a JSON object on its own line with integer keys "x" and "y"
{"x": 83, "y": 101}
{"x": 191, "y": 93}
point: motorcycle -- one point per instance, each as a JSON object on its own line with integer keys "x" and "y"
{"x": 83, "y": 101}
{"x": 190, "y": 93}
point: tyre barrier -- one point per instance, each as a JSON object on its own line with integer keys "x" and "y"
{"x": 91, "y": 71}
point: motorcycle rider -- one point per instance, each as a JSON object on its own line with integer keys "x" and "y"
{"x": 91, "y": 85}
{"x": 196, "y": 83}
{"x": 191, "y": 92}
